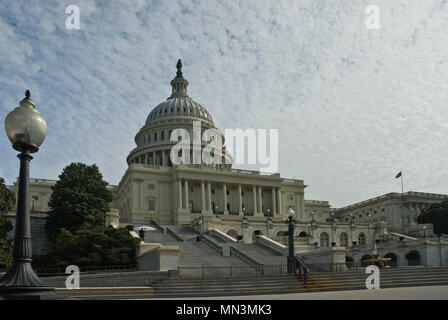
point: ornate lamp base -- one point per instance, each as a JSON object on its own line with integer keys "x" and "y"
{"x": 22, "y": 283}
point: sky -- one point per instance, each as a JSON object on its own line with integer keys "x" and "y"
{"x": 354, "y": 105}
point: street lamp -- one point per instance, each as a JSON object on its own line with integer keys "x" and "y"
{"x": 200, "y": 230}
{"x": 26, "y": 130}
{"x": 424, "y": 232}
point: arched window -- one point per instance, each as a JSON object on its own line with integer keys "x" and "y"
{"x": 343, "y": 239}
{"x": 324, "y": 240}
{"x": 393, "y": 257}
{"x": 232, "y": 233}
{"x": 302, "y": 234}
{"x": 282, "y": 234}
{"x": 362, "y": 240}
{"x": 413, "y": 258}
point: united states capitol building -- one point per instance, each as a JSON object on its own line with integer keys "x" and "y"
{"x": 246, "y": 206}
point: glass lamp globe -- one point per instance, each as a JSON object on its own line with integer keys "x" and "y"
{"x": 25, "y": 127}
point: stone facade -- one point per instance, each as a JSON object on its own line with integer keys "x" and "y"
{"x": 400, "y": 211}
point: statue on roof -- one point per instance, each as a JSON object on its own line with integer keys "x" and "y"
{"x": 179, "y": 68}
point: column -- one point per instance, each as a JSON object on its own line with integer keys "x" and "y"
{"x": 260, "y": 201}
{"x": 154, "y": 158}
{"x": 203, "y": 196}
{"x": 279, "y": 201}
{"x": 163, "y": 158}
{"x": 254, "y": 193}
{"x": 274, "y": 203}
{"x": 179, "y": 189}
{"x": 240, "y": 201}
{"x": 224, "y": 191}
{"x": 298, "y": 208}
{"x": 186, "y": 194}
{"x": 209, "y": 192}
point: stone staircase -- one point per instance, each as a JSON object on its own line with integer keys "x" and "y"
{"x": 238, "y": 286}
{"x": 260, "y": 253}
{"x": 109, "y": 293}
{"x": 389, "y": 278}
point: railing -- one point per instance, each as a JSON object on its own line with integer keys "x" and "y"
{"x": 156, "y": 225}
{"x": 229, "y": 271}
{"x": 246, "y": 259}
{"x": 234, "y": 213}
{"x": 302, "y": 270}
{"x": 217, "y": 271}
{"x": 342, "y": 266}
{"x": 175, "y": 236}
{"x": 49, "y": 272}
{"x": 212, "y": 245}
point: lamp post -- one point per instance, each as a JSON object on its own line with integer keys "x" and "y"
{"x": 291, "y": 258}
{"x": 424, "y": 232}
{"x": 26, "y": 130}
{"x": 200, "y": 228}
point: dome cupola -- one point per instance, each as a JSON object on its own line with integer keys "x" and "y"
{"x": 178, "y": 111}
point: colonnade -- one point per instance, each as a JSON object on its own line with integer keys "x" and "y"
{"x": 206, "y": 197}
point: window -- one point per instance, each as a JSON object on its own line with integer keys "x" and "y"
{"x": 169, "y": 134}
{"x": 155, "y": 136}
{"x": 362, "y": 240}
{"x": 242, "y": 193}
{"x": 162, "y": 135}
{"x": 190, "y": 189}
{"x": 290, "y": 197}
{"x": 149, "y": 138}
{"x": 213, "y": 191}
{"x": 151, "y": 186}
{"x": 152, "y": 205}
{"x": 190, "y": 205}
{"x": 324, "y": 240}
{"x": 228, "y": 192}
{"x": 343, "y": 240}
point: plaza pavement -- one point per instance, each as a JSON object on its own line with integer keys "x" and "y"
{"x": 408, "y": 293}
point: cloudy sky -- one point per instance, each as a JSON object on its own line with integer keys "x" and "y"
{"x": 353, "y": 105}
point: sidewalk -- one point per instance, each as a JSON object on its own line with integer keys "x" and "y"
{"x": 409, "y": 293}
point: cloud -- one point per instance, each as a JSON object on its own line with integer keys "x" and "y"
{"x": 353, "y": 106}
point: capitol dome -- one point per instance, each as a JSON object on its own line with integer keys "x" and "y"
{"x": 178, "y": 111}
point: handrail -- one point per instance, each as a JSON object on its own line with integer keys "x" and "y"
{"x": 175, "y": 236}
{"x": 246, "y": 259}
{"x": 212, "y": 245}
{"x": 156, "y": 225}
{"x": 302, "y": 270}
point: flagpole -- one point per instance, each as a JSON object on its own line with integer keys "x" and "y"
{"x": 402, "y": 190}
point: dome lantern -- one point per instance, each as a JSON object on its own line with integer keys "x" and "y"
{"x": 179, "y": 84}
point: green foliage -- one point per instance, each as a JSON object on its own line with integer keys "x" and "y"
{"x": 80, "y": 196}
{"x": 6, "y": 204}
{"x": 437, "y": 214}
{"x": 98, "y": 246}
{"x": 76, "y": 224}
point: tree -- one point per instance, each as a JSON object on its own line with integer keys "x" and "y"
{"x": 437, "y": 214}
{"x": 79, "y": 197}
{"x": 76, "y": 223}
{"x": 6, "y": 204}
